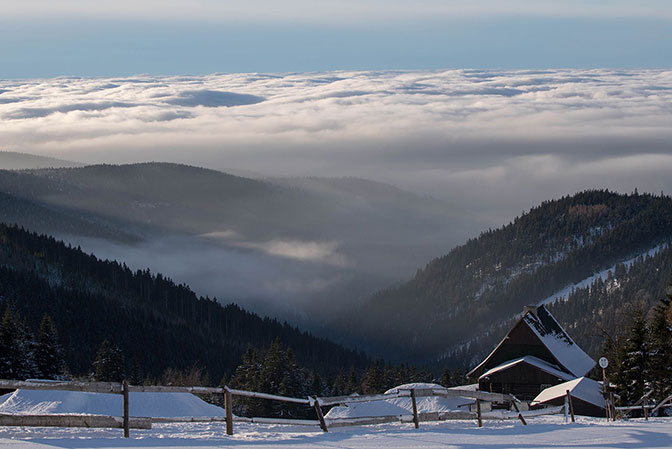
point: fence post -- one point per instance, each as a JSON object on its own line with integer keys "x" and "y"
{"x": 478, "y": 412}
{"x": 520, "y": 415}
{"x": 228, "y": 405}
{"x": 644, "y": 407}
{"x": 124, "y": 386}
{"x": 571, "y": 405}
{"x": 565, "y": 410}
{"x": 415, "y": 409}
{"x": 320, "y": 416}
{"x": 613, "y": 406}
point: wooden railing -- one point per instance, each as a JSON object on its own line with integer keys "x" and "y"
{"x": 127, "y": 422}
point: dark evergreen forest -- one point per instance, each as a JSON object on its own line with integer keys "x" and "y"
{"x": 476, "y": 289}
{"x": 156, "y": 323}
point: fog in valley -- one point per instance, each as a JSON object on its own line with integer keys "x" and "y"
{"x": 349, "y": 181}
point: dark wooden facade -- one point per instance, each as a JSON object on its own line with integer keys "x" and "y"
{"x": 519, "y": 342}
{"x": 522, "y": 380}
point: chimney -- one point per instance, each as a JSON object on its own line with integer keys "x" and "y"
{"x": 530, "y": 309}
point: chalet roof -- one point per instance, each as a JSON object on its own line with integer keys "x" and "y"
{"x": 569, "y": 356}
{"x": 533, "y": 361}
{"x": 561, "y": 345}
{"x": 582, "y": 388}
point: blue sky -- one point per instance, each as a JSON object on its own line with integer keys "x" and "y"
{"x": 71, "y": 37}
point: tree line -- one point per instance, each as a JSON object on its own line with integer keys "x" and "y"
{"x": 640, "y": 359}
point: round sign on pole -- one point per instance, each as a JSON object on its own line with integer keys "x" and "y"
{"x": 604, "y": 362}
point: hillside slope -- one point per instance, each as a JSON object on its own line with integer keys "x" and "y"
{"x": 157, "y": 323}
{"x": 477, "y": 287}
{"x": 312, "y": 241}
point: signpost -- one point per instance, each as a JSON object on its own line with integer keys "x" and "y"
{"x": 604, "y": 363}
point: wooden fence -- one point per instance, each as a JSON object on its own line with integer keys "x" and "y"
{"x": 317, "y": 403}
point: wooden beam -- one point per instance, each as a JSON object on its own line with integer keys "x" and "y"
{"x": 228, "y": 405}
{"x": 415, "y": 409}
{"x": 173, "y": 389}
{"x": 520, "y": 415}
{"x": 126, "y": 409}
{"x": 92, "y": 387}
{"x": 274, "y": 397}
{"x": 478, "y": 413}
{"x": 320, "y": 416}
{"x": 571, "y": 404}
{"x": 662, "y": 403}
{"x": 98, "y": 421}
{"x": 334, "y": 400}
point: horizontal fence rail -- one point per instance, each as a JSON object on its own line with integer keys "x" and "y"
{"x": 95, "y": 421}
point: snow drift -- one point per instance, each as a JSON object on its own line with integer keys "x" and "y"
{"x": 401, "y": 406}
{"x": 163, "y": 405}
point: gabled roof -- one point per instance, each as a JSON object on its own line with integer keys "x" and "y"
{"x": 533, "y": 361}
{"x": 582, "y": 388}
{"x": 568, "y": 355}
{"x": 561, "y": 345}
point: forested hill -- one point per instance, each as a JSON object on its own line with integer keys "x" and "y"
{"x": 156, "y": 323}
{"x": 483, "y": 283}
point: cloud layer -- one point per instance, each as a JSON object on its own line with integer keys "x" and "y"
{"x": 496, "y": 140}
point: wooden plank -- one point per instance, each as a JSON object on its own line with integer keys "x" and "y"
{"x": 520, "y": 416}
{"x": 482, "y": 395}
{"x": 228, "y": 405}
{"x": 291, "y": 422}
{"x": 98, "y": 421}
{"x": 347, "y": 422}
{"x": 179, "y": 419}
{"x": 91, "y": 387}
{"x": 415, "y": 409}
{"x": 274, "y": 397}
{"x": 571, "y": 404}
{"x": 334, "y": 400}
{"x": 667, "y": 400}
{"x": 126, "y": 409}
{"x": 174, "y": 389}
{"x": 320, "y": 416}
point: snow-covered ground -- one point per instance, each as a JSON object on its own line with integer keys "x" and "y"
{"x": 542, "y": 432}
{"x": 32, "y": 402}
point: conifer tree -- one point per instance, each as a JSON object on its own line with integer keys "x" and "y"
{"x": 660, "y": 361}
{"x": 373, "y": 379}
{"x": 352, "y": 384}
{"x": 17, "y": 348}
{"x": 447, "y": 378}
{"x": 48, "y": 352}
{"x": 109, "y": 363}
{"x": 634, "y": 377}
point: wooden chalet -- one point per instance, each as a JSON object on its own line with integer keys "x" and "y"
{"x": 535, "y": 354}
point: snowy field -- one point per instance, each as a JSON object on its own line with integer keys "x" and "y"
{"x": 542, "y": 432}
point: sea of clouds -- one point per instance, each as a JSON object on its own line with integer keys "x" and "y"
{"x": 497, "y": 141}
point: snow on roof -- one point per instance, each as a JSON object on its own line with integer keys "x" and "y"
{"x": 416, "y": 386}
{"x": 582, "y": 388}
{"x": 400, "y": 406}
{"x": 561, "y": 345}
{"x": 168, "y": 405}
{"x": 530, "y": 360}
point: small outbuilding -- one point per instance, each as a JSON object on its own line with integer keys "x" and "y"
{"x": 587, "y": 398}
